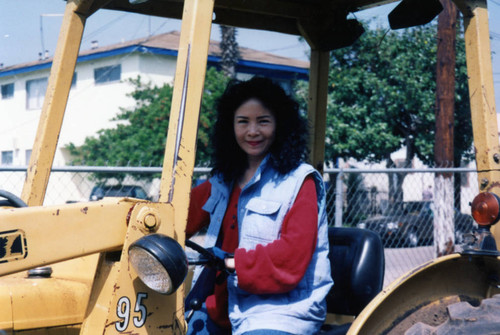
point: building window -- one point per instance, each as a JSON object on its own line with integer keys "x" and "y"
{"x": 7, "y": 157}
{"x": 27, "y": 156}
{"x": 107, "y": 74}
{"x": 35, "y": 92}
{"x": 7, "y": 91}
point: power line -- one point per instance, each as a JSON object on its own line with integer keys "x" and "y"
{"x": 284, "y": 48}
{"x": 119, "y": 18}
{"x": 159, "y": 27}
{"x": 104, "y": 27}
{"x": 41, "y": 28}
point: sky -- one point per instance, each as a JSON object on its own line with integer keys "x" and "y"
{"x": 28, "y": 27}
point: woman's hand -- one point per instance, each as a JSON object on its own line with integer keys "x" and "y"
{"x": 229, "y": 263}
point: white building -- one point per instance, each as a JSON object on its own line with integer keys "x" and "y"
{"x": 100, "y": 88}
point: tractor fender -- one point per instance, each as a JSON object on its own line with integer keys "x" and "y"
{"x": 424, "y": 293}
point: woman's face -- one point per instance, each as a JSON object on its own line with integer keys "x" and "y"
{"x": 254, "y": 128}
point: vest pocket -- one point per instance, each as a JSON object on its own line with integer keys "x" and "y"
{"x": 259, "y": 224}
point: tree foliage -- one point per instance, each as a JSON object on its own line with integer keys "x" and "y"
{"x": 381, "y": 97}
{"x": 215, "y": 84}
{"x": 140, "y": 134}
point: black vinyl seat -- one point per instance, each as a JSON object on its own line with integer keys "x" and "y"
{"x": 357, "y": 264}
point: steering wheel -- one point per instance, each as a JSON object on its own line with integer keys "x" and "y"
{"x": 11, "y": 200}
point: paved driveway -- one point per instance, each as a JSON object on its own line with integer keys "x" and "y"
{"x": 401, "y": 260}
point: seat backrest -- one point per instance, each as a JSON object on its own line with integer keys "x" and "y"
{"x": 357, "y": 263}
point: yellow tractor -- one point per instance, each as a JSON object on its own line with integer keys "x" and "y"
{"x": 104, "y": 255}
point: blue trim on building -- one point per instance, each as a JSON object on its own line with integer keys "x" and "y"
{"x": 244, "y": 66}
{"x": 26, "y": 69}
{"x": 280, "y": 71}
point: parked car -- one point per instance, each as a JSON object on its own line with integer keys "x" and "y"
{"x": 133, "y": 191}
{"x": 411, "y": 224}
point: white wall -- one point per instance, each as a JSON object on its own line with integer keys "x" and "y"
{"x": 16, "y": 122}
{"x": 90, "y": 106}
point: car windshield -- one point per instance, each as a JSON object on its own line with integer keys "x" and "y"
{"x": 139, "y": 193}
{"x": 116, "y": 192}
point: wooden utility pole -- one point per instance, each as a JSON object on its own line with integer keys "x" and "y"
{"x": 443, "y": 148}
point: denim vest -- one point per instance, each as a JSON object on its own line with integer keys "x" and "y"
{"x": 262, "y": 205}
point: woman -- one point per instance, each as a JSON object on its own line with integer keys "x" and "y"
{"x": 267, "y": 207}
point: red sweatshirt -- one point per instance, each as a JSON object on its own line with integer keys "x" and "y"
{"x": 277, "y": 267}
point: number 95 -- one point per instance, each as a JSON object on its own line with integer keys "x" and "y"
{"x": 123, "y": 312}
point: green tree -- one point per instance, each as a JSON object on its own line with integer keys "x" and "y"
{"x": 215, "y": 84}
{"x": 382, "y": 97}
{"x": 139, "y": 137}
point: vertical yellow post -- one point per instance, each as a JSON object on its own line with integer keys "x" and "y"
{"x": 188, "y": 89}
{"x": 184, "y": 115}
{"x": 54, "y": 105}
{"x": 318, "y": 93}
{"x": 482, "y": 99}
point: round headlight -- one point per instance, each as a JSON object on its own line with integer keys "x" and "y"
{"x": 160, "y": 262}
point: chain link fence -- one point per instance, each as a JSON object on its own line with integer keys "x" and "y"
{"x": 398, "y": 204}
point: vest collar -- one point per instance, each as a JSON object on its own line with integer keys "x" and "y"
{"x": 258, "y": 173}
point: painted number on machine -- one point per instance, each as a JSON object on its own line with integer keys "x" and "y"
{"x": 12, "y": 246}
{"x": 124, "y": 312}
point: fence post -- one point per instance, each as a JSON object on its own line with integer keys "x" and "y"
{"x": 339, "y": 197}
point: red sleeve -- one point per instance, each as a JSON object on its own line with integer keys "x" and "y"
{"x": 279, "y": 266}
{"x": 197, "y": 217}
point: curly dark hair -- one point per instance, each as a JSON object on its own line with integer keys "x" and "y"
{"x": 289, "y": 148}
